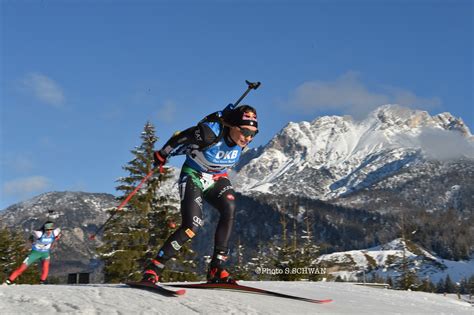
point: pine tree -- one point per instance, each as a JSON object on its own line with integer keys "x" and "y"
{"x": 297, "y": 260}
{"x": 120, "y": 252}
{"x": 449, "y": 285}
{"x": 463, "y": 286}
{"x": 427, "y": 285}
{"x": 282, "y": 259}
{"x": 408, "y": 279}
{"x": 144, "y": 224}
{"x": 241, "y": 270}
{"x": 470, "y": 286}
{"x": 12, "y": 253}
{"x": 440, "y": 288}
{"x": 310, "y": 249}
{"x": 287, "y": 258}
{"x": 263, "y": 259}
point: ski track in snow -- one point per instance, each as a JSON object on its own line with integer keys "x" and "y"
{"x": 119, "y": 299}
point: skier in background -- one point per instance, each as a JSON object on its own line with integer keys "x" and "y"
{"x": 42, "y": 242}
{"x": 213, "y": 146}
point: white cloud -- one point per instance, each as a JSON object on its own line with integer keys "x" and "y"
{"x": 350, "y": 96}
{"x": 409, "y": 99}
{"x": 441, "y": 144}
{"x": 44, "y": 89}
{"x": 24, "y": 186}
{"x": 167, "y": 112}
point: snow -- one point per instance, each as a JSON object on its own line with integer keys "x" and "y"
{"x": 119, "y": 299}
{"x": 387, "y": 259}
{"x": 457, "y": 270}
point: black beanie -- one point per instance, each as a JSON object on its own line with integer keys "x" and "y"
{"x": 244, "y": 115}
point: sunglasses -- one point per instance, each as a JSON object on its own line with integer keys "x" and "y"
{"x": 247, "y": 132}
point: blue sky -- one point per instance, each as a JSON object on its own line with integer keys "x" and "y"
{"x": 80, "y": 79}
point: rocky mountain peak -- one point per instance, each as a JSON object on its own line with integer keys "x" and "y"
{"x": 342, "y": 155}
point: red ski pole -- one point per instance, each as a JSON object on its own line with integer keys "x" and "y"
{"x": 119, "y": 208}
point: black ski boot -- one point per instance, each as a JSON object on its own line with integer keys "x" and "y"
{"x": 217, "y": 273}
{"x": 153, "y": 271}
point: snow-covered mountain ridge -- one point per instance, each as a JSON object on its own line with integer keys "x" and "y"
{"x": 334, "y": 156}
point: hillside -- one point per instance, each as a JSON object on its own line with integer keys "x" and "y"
{"x": 386, "y": 261}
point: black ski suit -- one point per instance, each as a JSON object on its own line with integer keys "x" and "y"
{"x": 203, "y": 177}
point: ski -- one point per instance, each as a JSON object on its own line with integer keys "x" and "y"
{"x": 155, "y": 288}
{"x": 243, "y": 288}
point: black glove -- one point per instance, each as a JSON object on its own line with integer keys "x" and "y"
{"x": 159, "y": 159}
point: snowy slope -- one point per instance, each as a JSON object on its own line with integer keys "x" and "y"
{"x": 386, "y": 261}
{"x": 118, "y": 299}
{"x": 335, "y": 156}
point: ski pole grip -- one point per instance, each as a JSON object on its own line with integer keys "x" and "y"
{"x": 251, "y": 86}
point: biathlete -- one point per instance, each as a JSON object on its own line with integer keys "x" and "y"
{"x": 42, "y": 242}
{"x": 212, "y": 147}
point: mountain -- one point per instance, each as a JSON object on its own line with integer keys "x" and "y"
{"x": 78, "y": 214}
{"x": 257, "y": 222}
{"x": 424, "y": 186}
{"x": 393, "y": 151}
{"x": 387, "y": 261}
{"x": 397, "y": 162}
{"x": 360, "y": 182}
